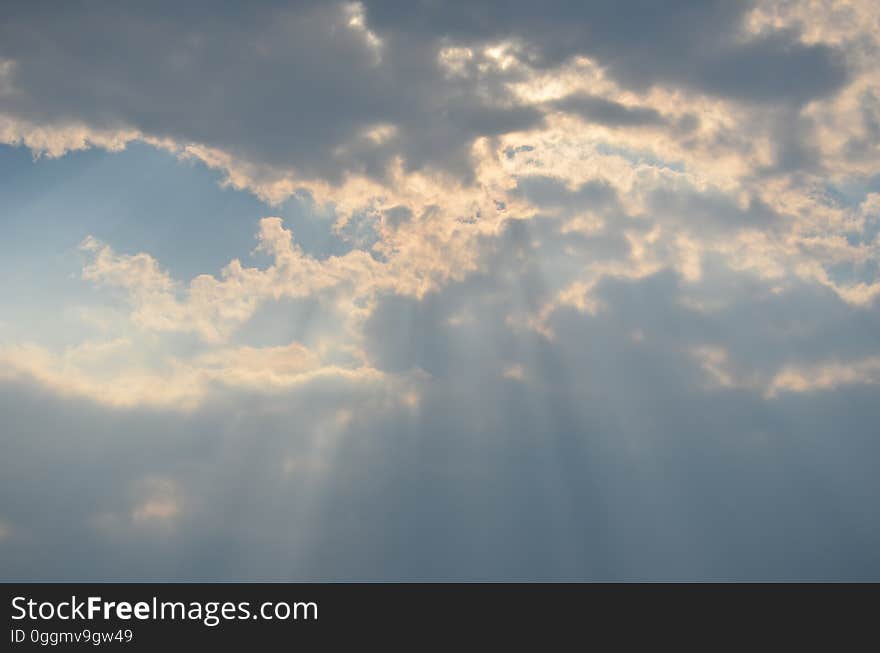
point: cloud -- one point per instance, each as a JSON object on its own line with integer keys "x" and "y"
{"x": 122, "y": 374}
{"x": 319, "y": 120}
{"x": 827, "y": 376}
{"x": 214, "y": 307}
{"x": 160, "y": 505}
{"x": 384, "y": 91}
{"x": 700, "y": 44}
{"x": 608, "y": 112}
{"x": 601, "y": 300}
{"x": 612, "y": 458}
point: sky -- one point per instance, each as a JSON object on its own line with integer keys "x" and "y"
{"x": 440, "y": 290}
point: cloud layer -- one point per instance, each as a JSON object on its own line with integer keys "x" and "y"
{"x": 599, "y": 298}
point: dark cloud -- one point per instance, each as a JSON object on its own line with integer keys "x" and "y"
{"x": 552, "y": 192}
{"x": 294, "y": 85}
{"x": 773, "y": 68}
{"x": 276, "y": 84}
{"x": 607, "y": 112}
{"x": 691, "y": 42}
{"x": 863, "y": 145}
{"x": 711, "y": 211}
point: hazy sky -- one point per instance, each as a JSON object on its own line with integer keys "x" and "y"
{"x": 440, "y": 290}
